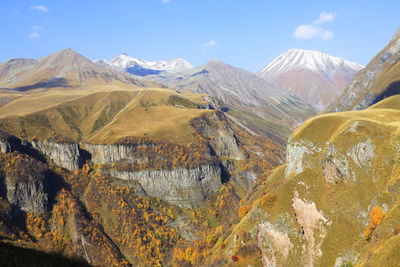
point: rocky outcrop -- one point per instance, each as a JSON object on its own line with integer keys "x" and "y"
{"x": 28, "y": 195}
{"x": 108, "y": 154}
{"x": 25, "y": 190}
{"x": 8, "y": 142}
{"x": 296, "y": 155}
{"x": 313, "y": 224}
{"x": 220, "y": 135}
{"x": 65, "y": 155}
{"x": 274, "y": 245}
{"x": 180, "y": 186}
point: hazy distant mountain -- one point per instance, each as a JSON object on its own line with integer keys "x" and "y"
{"x": 315, "y": 77}
{"x": 64, "y": 69}
{"x": 378, "y": 80}
{"x": 242, "y": 90}
{"x": 142, "y": 67}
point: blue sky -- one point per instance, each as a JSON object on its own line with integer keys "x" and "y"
{"x": 244, "y": 33}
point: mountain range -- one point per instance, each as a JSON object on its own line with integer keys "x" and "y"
{"x": 64, "y": 69}
{"x": 241, "y": 91}
{"x": 142, "y": 67}
{"x": 200, "y": 166}
{"x": 314, "y": 77}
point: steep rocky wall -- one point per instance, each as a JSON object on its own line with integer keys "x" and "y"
{"x": 65, "y": 155}
{"x": 108, "y": 154}
{"x": 27, "y": 195}
{"x": 180, "y": 186}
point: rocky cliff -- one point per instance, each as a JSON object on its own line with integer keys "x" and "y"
{"x": 180, "y": 186}
{"x": 65, "y": 155}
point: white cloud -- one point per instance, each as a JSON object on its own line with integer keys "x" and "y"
{"x": 325, "y": 17}
{"x": 37, "y": 28}
{"x": 34, "y": 35}
{"x": 165, "y": 1}
{"x": 309, "y": 32}
{"x": 40, "y": 8}
{"x": 35, "y": 32}
{"x": 210, "y": 43}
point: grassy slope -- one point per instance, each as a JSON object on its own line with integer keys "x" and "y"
{"x": 101, "y": 114}
{"x": 345, "y": 204}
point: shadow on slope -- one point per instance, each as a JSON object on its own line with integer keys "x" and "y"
{"x": 53, "y": 83}
{"x": 16, "y": 256}
{"x": 392, "y": 89}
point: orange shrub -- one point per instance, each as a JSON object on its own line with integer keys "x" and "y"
{"x": 243, "y": 210}
{"x": 375, "y": 218}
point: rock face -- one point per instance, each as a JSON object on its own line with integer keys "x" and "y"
{"x": 313, "y": 224}
{"x": 8, "y": 142}
{"x": 108, "y": 154}
{"x": 180, "y": 186}
{"x": 65, "y": 155}
{"x": 25, "y": 191}
{"x": 27, "y": 195}
{"x": 184, "y": 185}
{"x": 296, "y": 155}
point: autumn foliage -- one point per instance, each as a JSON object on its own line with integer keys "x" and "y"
{"x": 375, "y": 218}
{"x": 243, "y": 210}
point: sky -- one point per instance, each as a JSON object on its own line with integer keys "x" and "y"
{"x": 244, "y": 33}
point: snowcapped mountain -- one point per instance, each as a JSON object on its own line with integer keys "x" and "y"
{"x": 315, "y": 77}
{"x": 142, "y": 67}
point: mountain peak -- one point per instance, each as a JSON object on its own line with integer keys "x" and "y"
{"x": 313, "y": 76}
{"x": 295, "y": 59}
{"x": 215, "y": 62}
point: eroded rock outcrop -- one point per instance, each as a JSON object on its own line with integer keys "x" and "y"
{"x": 65, "y": 155}
{"x": 25, "y": 190}
{"x": 313, "y": 224}
{"x": 8, "y": 142}
{"x": 108, "y": 154}
{"x": 296, "y": 155}
{"x": 274, "y": 244}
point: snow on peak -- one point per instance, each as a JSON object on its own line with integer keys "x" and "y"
{"x": 125, "y": 62}
{"x": 296, "y": 59}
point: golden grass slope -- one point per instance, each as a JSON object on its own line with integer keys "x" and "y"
{"x": 340, "y": 208}
{"x": 101, "y": 114}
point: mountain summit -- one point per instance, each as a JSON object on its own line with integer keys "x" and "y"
{"x": 142, "y": 67}
{"x": 315, "y": 77}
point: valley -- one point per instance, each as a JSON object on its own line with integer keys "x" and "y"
{"x": 130, "y": 162}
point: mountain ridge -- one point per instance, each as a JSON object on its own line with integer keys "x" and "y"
{"x": 142, "y": 67}
{"x": 63, "y": 69}
{"x": 378, "y": 80}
